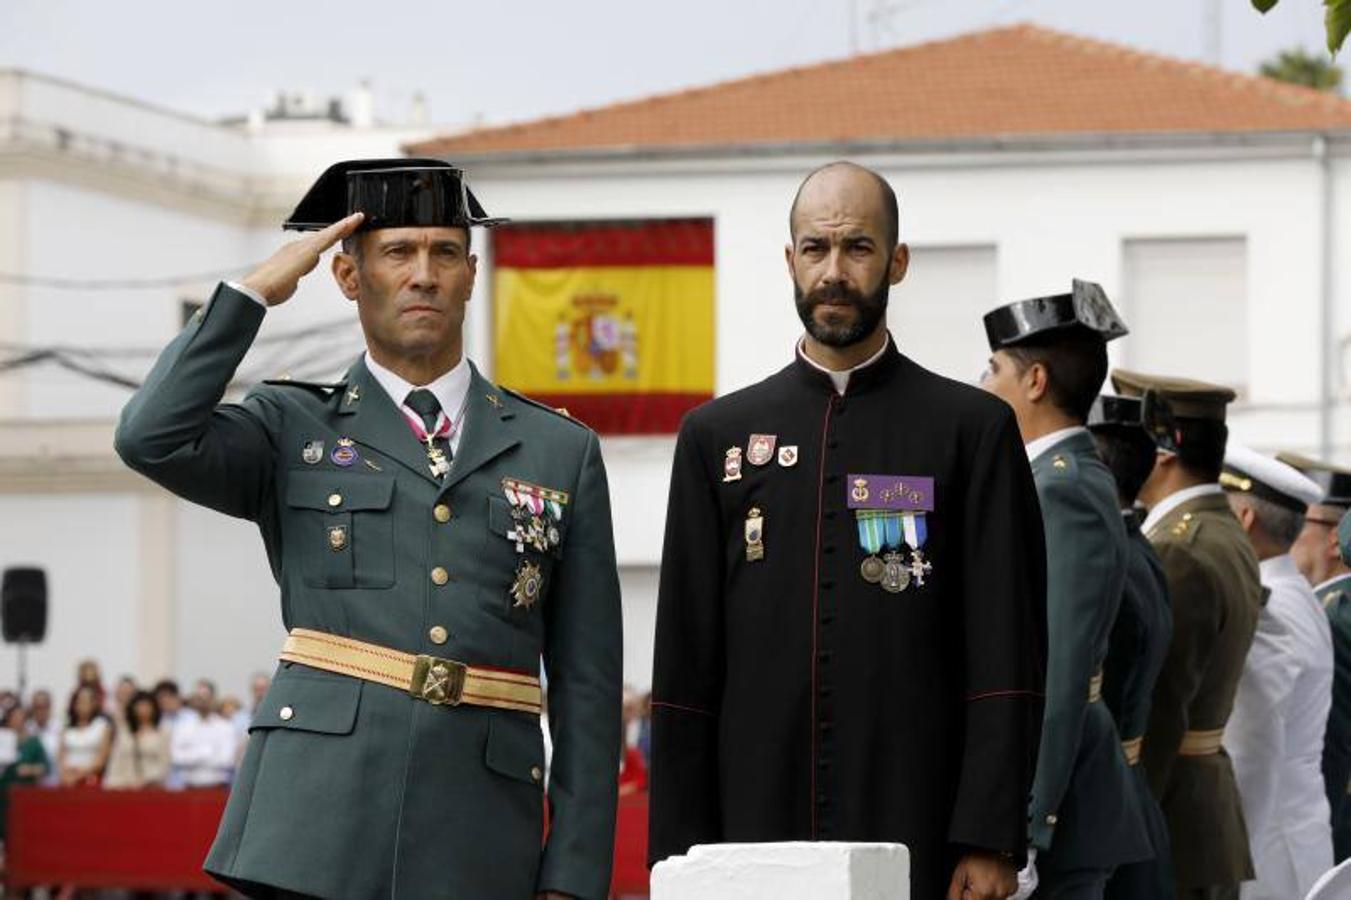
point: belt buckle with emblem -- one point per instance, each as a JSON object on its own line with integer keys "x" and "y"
{"x": 438, "y": 681}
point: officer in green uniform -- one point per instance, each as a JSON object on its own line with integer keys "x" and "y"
{"x": 1049, "y": 361}
{"x": 1124, "y": 430}
{"x": 1215, "y": 595}
{"x": 1319, "y": 559}
{"x": 433, "y": 536}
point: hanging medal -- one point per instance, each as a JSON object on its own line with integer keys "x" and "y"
{"x": 536, "y": 514}
{"x": 436, "y": 457}
{"x": 895, "y": 576}
{"x": 871, "y": 536}
{"x": 916, "y": 533}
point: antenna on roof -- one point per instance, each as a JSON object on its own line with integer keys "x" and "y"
{"x": 1213, "y": 31}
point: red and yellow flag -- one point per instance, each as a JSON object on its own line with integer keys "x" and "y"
{"x": 613, "y": 321}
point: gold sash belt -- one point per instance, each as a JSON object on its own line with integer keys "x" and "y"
{"x": 1132, "y": 749}
{"x": 1095, "y": 688}
{"x": 441, "y": 682}
{"x": 1201, "y": 743}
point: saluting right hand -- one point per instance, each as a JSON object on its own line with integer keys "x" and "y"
{"x": 275, "y": 280}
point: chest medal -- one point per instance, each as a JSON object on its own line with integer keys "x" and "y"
{"x": 889, "y": 512}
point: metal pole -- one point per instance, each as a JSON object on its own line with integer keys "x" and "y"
{"x": 1326, "y": 318}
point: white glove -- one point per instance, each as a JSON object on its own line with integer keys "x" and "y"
{"x": 1027, "y": 878}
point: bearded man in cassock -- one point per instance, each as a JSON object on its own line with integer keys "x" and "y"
{"x": 851, "y": 620}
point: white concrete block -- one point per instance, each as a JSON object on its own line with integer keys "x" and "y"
{"x": 785, "y": 871}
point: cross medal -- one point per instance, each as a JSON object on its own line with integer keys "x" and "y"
{"x": 436, "y": 458}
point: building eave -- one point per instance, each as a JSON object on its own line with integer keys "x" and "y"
{"x": 973, "y": 151}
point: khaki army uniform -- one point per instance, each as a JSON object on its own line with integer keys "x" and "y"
{"x": 1213, "y": 584}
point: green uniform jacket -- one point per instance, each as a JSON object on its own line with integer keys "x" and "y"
{"x": 1215, "y": 594}
{"x": 1085, "y": 813}
{"x": 1336, "y": 598}
{"x": 358, "y": 790}
{"x": 1138, "y": 647}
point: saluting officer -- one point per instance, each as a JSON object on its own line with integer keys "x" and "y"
{"x": 1215, "y": 597}
{"x": 1123, "y": 431}
{"x": 1049, "y": 359}
{"x": 850, "y": 624}
{"x": 1318, "y": 557}
{"x": 433, "y": 536}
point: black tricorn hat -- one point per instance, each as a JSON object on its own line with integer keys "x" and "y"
{"x": 1085, "y": 307}
{"x": 393, "y": 193}
{"x": 1149, "y": 415}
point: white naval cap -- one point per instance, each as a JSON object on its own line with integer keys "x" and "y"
{"x": 1248, "y": 472}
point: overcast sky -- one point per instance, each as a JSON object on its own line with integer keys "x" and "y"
{"x": 505, "y": 60}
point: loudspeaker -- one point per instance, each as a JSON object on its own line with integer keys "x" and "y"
{"x": 23, "y": 605}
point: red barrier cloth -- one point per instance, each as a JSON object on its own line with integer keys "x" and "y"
{"x": 146, "y": 839}
{"x": 630, "y": 872}
{"x": 157, "y": 840}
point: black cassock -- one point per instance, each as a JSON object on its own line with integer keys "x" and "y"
{"x": 792, "y": 699}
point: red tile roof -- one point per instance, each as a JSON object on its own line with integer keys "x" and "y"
{"x": 1022, "y": 80}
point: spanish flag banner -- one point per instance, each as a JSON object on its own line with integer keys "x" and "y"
{"x": 613, "y": 321}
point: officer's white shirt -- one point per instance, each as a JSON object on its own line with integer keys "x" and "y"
{"x": 451, "y": 391}
{"x": 203, "y": 750}
{"x": 1275, "y": 737}
{"x": 1037, "y": 447}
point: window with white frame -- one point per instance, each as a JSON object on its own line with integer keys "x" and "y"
{"x": 1186, "y": 303}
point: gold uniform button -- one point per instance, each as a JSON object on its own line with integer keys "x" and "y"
{"x": 438, "y": 634}
{"x": 335, "y": 499}
{"x": 440, "y": 576}
{"x": 286, "y": 713}
{"x": 536, "y": 773}
{"x": 441, "y": 513}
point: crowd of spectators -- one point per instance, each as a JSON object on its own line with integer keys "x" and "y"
{"x": 137, "y": 736}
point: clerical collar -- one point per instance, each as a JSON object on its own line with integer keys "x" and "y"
{"x": 1039, "y": 446}
{"x": 841, "y": 379}
{"x": 450, "y": 389}
{"x": 1176, "y": 499}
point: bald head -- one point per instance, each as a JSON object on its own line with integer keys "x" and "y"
{"x": 844, "y": 188}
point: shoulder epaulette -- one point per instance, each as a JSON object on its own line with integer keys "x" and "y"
{"x": 556, "y": 410}
{"x": 1185, "y": 528}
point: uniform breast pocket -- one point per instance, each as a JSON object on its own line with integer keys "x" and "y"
{"x": 344, "y": 526}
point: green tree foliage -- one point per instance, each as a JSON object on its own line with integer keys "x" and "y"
{"x": 1336, "y": 17}
{"x": 1298, "y": 66}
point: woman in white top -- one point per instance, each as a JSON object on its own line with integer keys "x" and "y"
{"x": 85, "y": 741}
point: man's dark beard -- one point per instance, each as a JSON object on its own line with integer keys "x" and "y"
{"x": 871, "y": 308}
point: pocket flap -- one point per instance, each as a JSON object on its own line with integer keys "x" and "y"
{"x": 309, "y": 701}
{"x": 515, "y": 747}
{"x": 339, "y": 492}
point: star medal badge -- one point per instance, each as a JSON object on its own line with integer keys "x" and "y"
{"x": 731, "y": 465}
{"x": 760, "y": 450}
{"x": 526, "y": 588}
{"x": 345, "y": 454}
{"x": 312, "y": 452}
{"x": 755, "y": 535}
